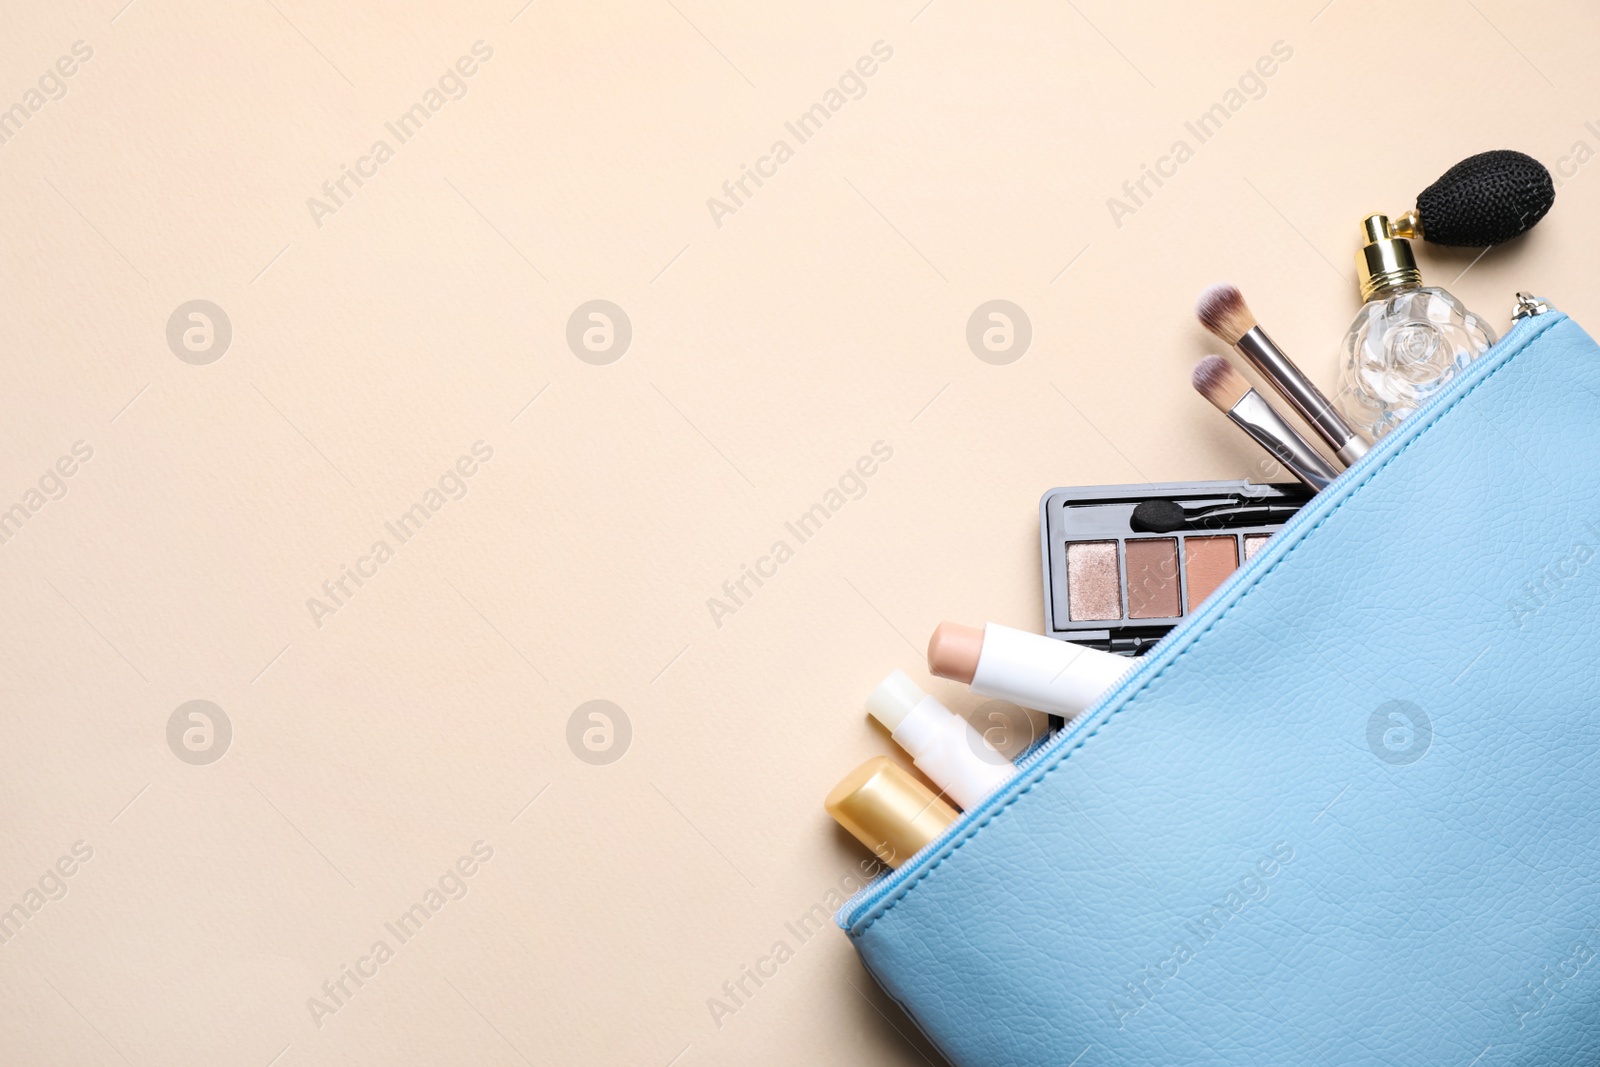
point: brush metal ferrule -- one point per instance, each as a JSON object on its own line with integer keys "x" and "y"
{"x": 1264, "y": 354}
{"x": 1255, "y": 417}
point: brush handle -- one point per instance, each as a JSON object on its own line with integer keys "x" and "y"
{"x": 1265, "y": 356}
{"x": 1255, "y": 417}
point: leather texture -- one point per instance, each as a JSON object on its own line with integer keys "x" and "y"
{"x": 1349, "y": 813}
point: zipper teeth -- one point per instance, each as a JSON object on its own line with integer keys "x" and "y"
{"x": 870, "y": 895}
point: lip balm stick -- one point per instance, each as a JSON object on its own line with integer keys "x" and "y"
{"x": 1028, "y": 669}
{"x": 942, "y": 744}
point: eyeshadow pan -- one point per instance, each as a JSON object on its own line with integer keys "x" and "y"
{"x": 1153, "y": 578}
{"x": 1094, "y": 589}
{"x": 1207, "y": 563}
{"x": 1253, "y": 542}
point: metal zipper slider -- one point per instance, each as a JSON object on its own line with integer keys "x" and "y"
{"x": 1529, "y": 305}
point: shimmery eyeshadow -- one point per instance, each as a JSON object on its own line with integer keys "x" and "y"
{"x": 1094, "y": 590}
{"x": 1207, "y": 563}
{"x": 1253, "y": 542}
{"x": 1153, "y": 578}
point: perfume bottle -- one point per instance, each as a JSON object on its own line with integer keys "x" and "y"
{"x": 1407, "y": 340}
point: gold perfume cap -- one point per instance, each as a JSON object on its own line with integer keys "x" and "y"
{"x": 1386, "y": 262}
{"x": 888, "y": 810}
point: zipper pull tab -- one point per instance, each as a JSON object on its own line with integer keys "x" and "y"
{"x": 1529, "y": 305}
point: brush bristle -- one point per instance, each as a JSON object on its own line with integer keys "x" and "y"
{"x": 1216, "y": 380}
{"x": 1222, "y": 310}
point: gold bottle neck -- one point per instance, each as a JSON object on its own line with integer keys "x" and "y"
{"x": 1386, "y": 262}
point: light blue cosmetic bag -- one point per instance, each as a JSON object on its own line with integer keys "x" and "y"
{"x": 1347, "y": 813}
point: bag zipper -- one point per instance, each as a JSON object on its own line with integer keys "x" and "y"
{"x": 1525, "y": 319}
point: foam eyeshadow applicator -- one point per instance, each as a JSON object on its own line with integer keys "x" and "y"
{"x": 1168, "y": 516}
{"x": 1028, "y": 669}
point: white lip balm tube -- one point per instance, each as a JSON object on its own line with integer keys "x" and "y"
{"x": 1032, "y": 670}
{"x": 942, "y": 744}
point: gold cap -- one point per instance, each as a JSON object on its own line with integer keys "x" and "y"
{"x": 888, "y": 810}
{"x": 1386, "y": 261}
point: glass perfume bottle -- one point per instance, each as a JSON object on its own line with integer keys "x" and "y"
{"x": 1407, "y": 340}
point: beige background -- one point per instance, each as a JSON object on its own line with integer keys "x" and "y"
{"x": 429, "y": 312}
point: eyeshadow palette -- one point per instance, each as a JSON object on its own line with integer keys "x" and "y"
{"x": 1119, "y": 582}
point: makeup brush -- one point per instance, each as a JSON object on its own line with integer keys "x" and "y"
{"x": 1222, "y": 310}
{"x": 1225, "y": 387}
{"x": 1168, "y": 516}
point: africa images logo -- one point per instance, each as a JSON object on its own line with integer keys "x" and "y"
{"x": 1399, "y": 733}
